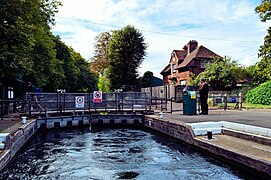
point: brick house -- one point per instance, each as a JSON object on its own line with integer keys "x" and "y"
{"x": 191, "y": 59}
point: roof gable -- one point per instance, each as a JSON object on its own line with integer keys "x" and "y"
{"x": 199, "y": 52}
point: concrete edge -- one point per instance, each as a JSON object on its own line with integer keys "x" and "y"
{"x": 247, "y": 136}
{"x": 15, "y": 141}
{"x": 185, "y": 133}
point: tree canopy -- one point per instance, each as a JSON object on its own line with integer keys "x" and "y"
{"x": 30, "y": 52}
{"x": 261, "y": 72}
{"x": 99, "y": 61}
{"x": 146, "y": 79}
{"x": 127, "y": 50}
{"x": 221, "y": 74}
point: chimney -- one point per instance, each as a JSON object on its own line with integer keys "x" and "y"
{"x": 185, "y": 48}
{"x": 191, "y": 46}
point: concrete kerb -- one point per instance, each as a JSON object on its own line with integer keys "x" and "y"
{"x": 186, "y": 133}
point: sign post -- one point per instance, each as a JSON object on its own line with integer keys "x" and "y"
{"x": 97, "y": 97}
{"x": 79, "y": 101}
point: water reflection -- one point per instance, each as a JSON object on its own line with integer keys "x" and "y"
{"x": 114, "y": 154}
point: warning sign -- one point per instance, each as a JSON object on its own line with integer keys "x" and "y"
{"x": 97, "y": 97}
{"x": 79, "y": 101}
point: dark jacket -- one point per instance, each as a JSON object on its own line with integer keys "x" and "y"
{"x": 204, "y": 90}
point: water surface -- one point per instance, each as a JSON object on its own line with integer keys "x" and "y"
{"x": 114, "y": 154}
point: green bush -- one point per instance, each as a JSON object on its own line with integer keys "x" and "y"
{"x": 260, "y": 94}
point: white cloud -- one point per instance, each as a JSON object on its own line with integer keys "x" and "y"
{"x": 226, "y": 27}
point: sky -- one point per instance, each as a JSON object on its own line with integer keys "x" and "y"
{"x": 227, "y": 27}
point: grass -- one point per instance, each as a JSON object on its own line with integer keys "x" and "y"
{"x": 256, "y": 106}
{"x": 245, "y": 106}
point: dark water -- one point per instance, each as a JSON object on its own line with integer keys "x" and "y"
{"x": 114, "y": 154}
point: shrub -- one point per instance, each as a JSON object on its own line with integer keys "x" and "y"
{"x": 260, "y": 94}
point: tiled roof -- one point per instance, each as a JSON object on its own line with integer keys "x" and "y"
{"x": 166, "y": 69}
{"x": 180, "y": 54}
{"x": 199, "y": 52}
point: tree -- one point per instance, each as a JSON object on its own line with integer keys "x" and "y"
{"x": 222, "y": 73}
{"x": 100, "y": 59}
{"x": 262, "y": 70}
{"x": 126, "y": 53}
{"x": 87, "y": 81}
{"x": 77, "y": 76}
{"x": 26, "y": 47}
{"x": 146, "y": 79}
{"x": 264, "y": 10}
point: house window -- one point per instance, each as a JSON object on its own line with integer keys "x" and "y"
{"x": 10, "y": 92}
{"x": 203, "y": 63}
{"x": 183, "y": 82}
{"x": 173, "y": 70}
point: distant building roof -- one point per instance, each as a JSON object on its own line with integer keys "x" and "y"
{"x": 155, "y": 81}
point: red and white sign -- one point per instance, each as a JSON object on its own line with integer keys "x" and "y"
{"x": 79, "y": 101}
{"x": 97, "y": 97}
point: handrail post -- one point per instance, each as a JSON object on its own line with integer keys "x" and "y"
{"x": 171, "y": 102}
{"x": 2, "y": 109}
{"x": 225, "y": 102}
{"x": 240, "y": 101}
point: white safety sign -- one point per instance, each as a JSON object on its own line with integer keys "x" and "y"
{"x": 79, "y": 101}
{"x": 97, "y": 97}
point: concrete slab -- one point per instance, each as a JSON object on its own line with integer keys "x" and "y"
{"x": 240, "y": 146}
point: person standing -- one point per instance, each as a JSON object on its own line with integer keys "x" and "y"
{"x": 36, "y": 92}
{"x": 203, "y": 92}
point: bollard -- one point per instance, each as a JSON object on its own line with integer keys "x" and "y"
{"x": 161, "y": 115}
{"x": 209, "y": 134}
{"x": 23, "y": 119}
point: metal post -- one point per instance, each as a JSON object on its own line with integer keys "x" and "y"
{"x": 225, "y": 102}
{"x": 240, "y": 101}
{"x": 29, "y": 106}
{"x": 57, "y": 105}
{"x": 161, "y": 104}
{"x": 122, "y": 100}
{"x": 213, "y": 100}
{"x": 60, "y": 105}
{"x": 89, "y": 101}
{"x": 171, "y": 105}
{"x": 2, "y": 109}
{"x": 64, "y": 101}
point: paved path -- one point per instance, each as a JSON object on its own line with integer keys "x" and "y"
{"x": 261, "y": 118}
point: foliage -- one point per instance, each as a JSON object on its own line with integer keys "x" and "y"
{"x": 100, "y": 59}
{"x": 222, "y": 74}
{"x": 77, "y": 76}
{"x": 193, "y": 80}
{"x": 104, "y": 81}
{"x": 26, "y": 47}
{"x": 30, "y": 52}
{"x": 264, "y": 10}
{"x": 145, "y": 80}
{"x": 126, "y": 53}
{"x": 261, "y": 72}
{"x": 260, "y": 94}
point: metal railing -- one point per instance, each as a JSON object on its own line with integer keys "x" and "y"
{"x": 61, "y": 102}
{"x": 10, "y": 106}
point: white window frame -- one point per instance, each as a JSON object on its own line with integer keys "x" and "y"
{"x": 203, "y": 63}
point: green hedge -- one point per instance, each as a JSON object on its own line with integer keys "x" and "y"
{"x": 260, "y": 94}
